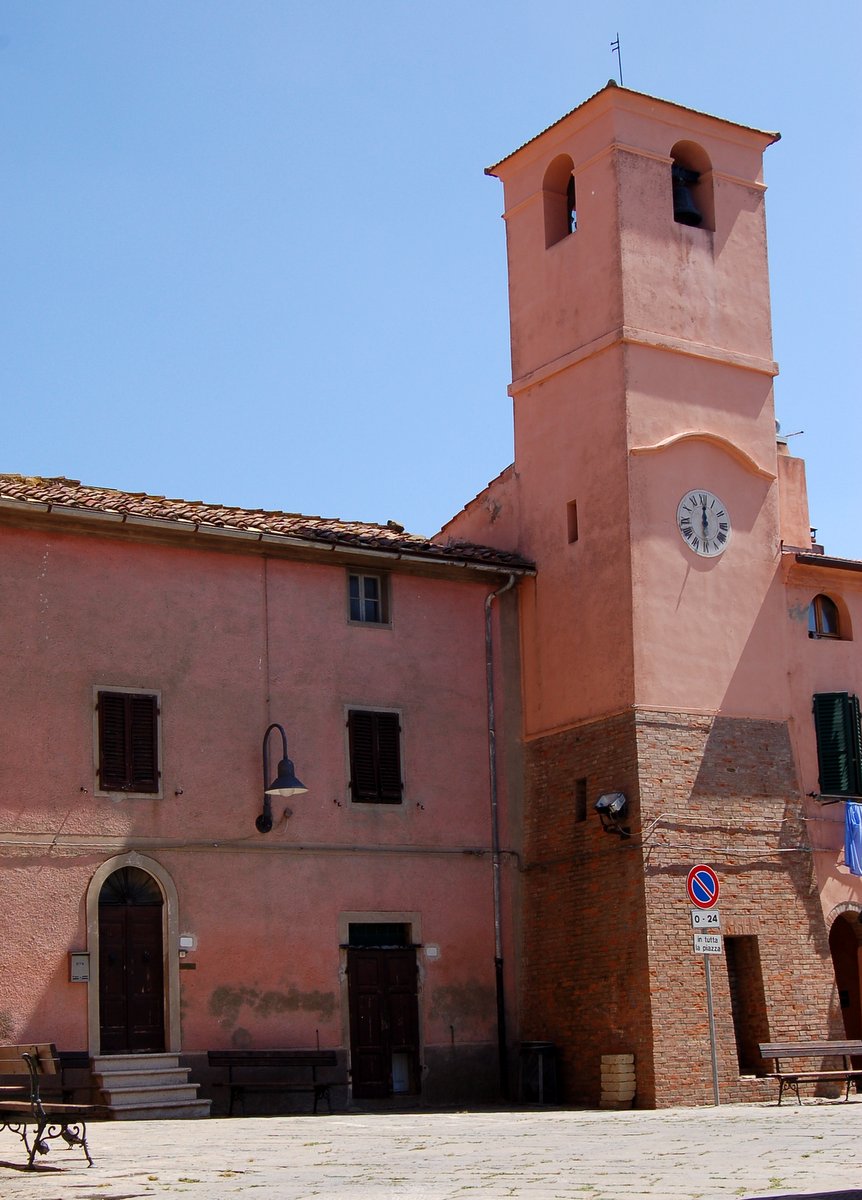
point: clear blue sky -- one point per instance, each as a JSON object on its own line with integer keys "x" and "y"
{"x": 250, "y": 254}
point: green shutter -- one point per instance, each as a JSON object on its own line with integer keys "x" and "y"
{"x": 839, "y": 743}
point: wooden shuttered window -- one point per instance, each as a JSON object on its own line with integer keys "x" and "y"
{"x": 839, "y": 743}
{"x": 128, "y": 742}
{"x": 375, "y": 756}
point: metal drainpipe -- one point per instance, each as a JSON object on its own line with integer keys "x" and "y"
{"x": 502, "y": 1051}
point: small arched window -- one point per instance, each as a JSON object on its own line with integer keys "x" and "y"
{"x": 823, "y": 619}
{"x": 558, "y": 192}
{"x": 691, "y": 186}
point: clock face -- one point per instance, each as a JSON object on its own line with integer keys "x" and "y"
{"x": 704, "y": 523}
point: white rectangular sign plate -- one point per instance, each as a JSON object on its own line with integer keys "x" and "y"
{"x": 707, "y": 943}
{"x": 705, "y": 918}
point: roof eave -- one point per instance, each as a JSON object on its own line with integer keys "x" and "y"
{"x": 262, "y": 537}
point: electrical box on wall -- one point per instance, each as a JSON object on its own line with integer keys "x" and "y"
{"x": 79, "y": 966}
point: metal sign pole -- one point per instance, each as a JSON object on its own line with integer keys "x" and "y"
{"x": 706, "y": 968}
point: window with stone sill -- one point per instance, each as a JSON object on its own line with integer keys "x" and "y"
{"x": 127, "y": 741}
{"x": 374, "y": 743}
{"x": 368, "y": 598}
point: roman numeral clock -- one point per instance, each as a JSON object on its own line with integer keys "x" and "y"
{"x": 703, "y": 522}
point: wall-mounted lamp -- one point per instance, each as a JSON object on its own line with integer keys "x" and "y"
{"x": 611, "y": 807}
{"x": 284, "y": 784}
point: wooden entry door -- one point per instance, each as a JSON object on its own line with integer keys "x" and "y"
{"x": 131, "y": 971}
{"x": 384, "y": 1022}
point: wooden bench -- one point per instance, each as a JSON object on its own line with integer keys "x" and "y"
{"x": 22, "y": 1104}
{"x": 274, "y": 1071}
{"x": 791, "y": 1079}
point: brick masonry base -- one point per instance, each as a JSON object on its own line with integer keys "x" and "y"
{"x": 608, "y": 965}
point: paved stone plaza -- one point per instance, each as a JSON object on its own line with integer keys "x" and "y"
{"x": 742, "y": 1151}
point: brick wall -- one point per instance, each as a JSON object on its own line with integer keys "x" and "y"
{"x": 608, "y": 962}
{"x": 584, "y": 969}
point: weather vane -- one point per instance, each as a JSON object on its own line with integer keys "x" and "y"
{"x": 615, "y": 47}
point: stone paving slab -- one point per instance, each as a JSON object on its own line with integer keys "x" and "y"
{"x": 750, "y": 1152}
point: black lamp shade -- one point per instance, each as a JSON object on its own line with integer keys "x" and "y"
{"x": 285, "y": 783}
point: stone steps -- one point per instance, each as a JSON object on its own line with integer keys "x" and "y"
{"x": 139, "y": 1087}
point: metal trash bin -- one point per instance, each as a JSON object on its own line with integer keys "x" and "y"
{"x": 538, "y": 1073}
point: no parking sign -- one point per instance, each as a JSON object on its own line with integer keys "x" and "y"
{"x": 702, "y": 886}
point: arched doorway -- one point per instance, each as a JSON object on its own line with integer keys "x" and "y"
{"x": 131, "y": 963}
{"x": 845, "y": 945}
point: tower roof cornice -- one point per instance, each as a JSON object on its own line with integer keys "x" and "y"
{"x": 613, "y": 93}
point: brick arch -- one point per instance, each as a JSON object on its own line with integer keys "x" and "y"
{"x": 847, "y": 906}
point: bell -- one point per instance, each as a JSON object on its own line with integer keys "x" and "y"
{"x": 685, "y": 211}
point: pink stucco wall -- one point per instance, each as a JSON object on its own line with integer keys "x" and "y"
{"x": 232, "y": 641}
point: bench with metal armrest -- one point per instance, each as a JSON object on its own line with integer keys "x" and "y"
{"x": 790, "y": 1077}
{"x": 23, "y": 1106}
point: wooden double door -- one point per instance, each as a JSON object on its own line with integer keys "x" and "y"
{"x": 131, "y": 964}
{"x": 384, "y": 1022}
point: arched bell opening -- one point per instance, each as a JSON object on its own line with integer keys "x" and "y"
{"x": 560, "y": 200}
{"x": 692, "y": 186}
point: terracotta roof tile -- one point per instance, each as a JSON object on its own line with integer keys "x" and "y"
{"x": 391, "y": 538}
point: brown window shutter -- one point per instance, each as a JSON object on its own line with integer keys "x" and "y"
{"x": 143, "y": 733}
{"x": 388, "y": 757}
{"x": 375, "y": 757}
{"x": 128, "y": 742}
{"x": 363, "y": 775}
{"x": 112, "y": 741}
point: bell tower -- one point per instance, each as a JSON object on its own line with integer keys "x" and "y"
{"x": 654, "y": 679}
{"x": 642, "y": 370}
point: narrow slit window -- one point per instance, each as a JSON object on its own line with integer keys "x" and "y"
{"x": 580, "y": 800}
{"x": 572, "y": 521}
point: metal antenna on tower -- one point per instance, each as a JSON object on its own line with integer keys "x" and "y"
{"x": 615, "y": 47}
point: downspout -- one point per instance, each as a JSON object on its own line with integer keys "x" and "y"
{"x": 502, "y": 1051}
